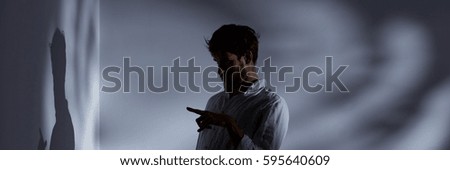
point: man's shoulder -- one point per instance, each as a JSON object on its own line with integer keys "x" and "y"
{"x": 214, "y": 99}
{"x": 217, "y": 96}
{"x": 270, "y": 96}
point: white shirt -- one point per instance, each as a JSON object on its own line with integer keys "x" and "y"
{"x": 263, "y": 115}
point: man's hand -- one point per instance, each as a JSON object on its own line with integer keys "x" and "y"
{"x": 209, "y": 118}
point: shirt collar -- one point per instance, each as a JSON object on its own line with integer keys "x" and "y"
{"x": 256, "y": 87}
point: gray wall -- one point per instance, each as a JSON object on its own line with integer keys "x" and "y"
{"x": 396, "y": 52}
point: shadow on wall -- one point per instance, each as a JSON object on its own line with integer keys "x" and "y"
{"x": 63, "y": 131}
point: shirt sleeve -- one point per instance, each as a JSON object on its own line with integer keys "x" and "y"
{"x": 271, "y": 131}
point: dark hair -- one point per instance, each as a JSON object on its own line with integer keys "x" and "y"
{"x": 237, "y": 39}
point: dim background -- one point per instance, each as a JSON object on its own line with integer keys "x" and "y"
{"x": 397, "y": 53}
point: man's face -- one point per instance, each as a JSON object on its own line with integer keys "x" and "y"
{"x": 230, "y": 70}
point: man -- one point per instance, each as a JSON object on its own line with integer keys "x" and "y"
{"x": 246, "y": 115}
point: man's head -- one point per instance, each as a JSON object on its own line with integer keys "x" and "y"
{"x": 236, "y": 39}
{"x": 235, "y": 49}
